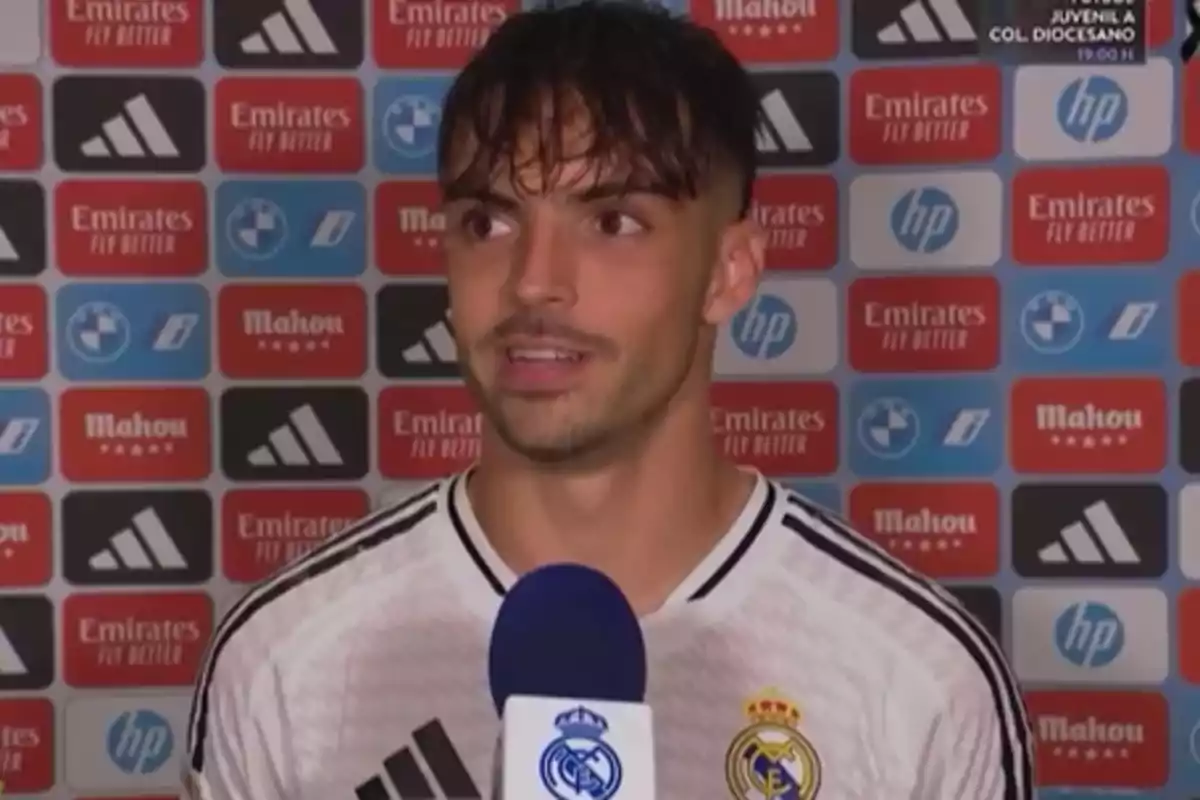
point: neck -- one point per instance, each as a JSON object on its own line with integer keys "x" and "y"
{"x": 645, "y": 519}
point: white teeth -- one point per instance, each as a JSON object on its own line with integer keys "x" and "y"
{"x": 545, "y": 354}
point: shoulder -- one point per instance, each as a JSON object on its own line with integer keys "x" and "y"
{"x": 270, "y": 612}
{"x": 269, "y": 615}
{"x": 919, "y": 617}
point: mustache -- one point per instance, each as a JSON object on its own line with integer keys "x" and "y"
{"x": 537, "y": 324}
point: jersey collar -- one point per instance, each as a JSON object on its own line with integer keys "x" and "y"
{"x": 716, "y": 567}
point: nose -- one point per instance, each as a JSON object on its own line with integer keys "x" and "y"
{"x": 542, "y": 272}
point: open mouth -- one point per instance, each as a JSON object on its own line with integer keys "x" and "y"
{"x": 543, "y": 355}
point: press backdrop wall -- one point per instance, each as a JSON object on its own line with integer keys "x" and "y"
{"x": 223, "y": 338}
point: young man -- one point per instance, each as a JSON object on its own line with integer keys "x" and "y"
{"x": 596, "y": 163}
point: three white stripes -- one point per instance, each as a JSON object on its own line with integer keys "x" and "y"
{"x": 277, "y": 32}
{"x": 133, "y": 553}
{"x": 287, "y": 446}
{"x": 922, "y": 28}
{"x": 1077, "y": 543}
{"x": 436, "y": 345}
{"x": 119, "y": 137}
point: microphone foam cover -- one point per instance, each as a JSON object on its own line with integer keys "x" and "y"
{"x": 566, "y": 630}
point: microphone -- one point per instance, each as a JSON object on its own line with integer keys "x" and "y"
{"x": 567, "y": 672}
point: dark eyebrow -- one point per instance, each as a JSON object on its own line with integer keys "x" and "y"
{"x": 596, "y": 191}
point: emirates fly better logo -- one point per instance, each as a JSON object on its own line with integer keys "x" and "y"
{"x": 799, "y": 214}
{"x": 925, "y": 115}
{"x": 924, "y": 324}
{"x": 127, "y": 33}
{"x": 1100, "y": 215}
{"x": 289, "y": 125}
{"x": 778, "y": 428}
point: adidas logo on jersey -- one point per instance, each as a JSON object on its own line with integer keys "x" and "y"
{"x": 416, "y": 333}
{"x": 798, "y": 124}
{"x": 292, "y": 434}
{"x": 137, "y": 537}
{"x": 129, "y": 124}
{"x": 915, "y": 28}
{"x": 288, "y": 33}
{"x": 431, "y": 769}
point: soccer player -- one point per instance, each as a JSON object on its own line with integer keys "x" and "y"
{"x": 596, "y": 162}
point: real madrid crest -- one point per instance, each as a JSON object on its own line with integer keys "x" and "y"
{"x": 770, "y": 759}
{"x": 579, "y": 764}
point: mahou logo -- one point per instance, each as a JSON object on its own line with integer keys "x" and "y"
{"x": 24, "y": 337}
{"x": 427, "y": 431}
{"x": 773, "y": 31}
{"x": 945, "y": 530}
{"x": 20, "y": 122}
{"x": 925, "y": 115}
{"x": 301, "y": 331}
{"x": 1088, "y": 425}
{"x": 1112, "y": 739}
{"x": 127, "y": 33}
{"x": 143, "y": 639}
{"x": 1097, "y": 215}
{"x": 131, "y": 228}
{"x": 778, "y": 428}
{"x": 25, "y": 539}
{"x": 799, "y": 214}
{"x": 27, "y": 745}
{"x": 262, "y": 530}
{"x": 408, "y": 228}
{"x": 144, "y": 434}
{"x": 289, "y": 125}
{"x": 434, "y": 34}
{"x": 924, "y": 324}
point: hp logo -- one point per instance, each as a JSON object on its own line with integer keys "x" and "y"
{"x": 256, "y": 228}
{"x": 766, "y": 328}
{"x": 1089, "y": 634}
{"x": 1092, "y": 109}
{"x": 925, "y": 220}
{"x": 1052, "y": 322}
{"x": 140, "y": 742}
{"x": 410, "y": 125}
{"x": 888, "y": 428}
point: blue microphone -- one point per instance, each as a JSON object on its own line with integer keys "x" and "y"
{"x": 567, "y": 672}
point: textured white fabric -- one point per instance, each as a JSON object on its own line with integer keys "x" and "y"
{"x": 323, "y": 673}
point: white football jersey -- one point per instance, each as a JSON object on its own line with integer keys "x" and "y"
{"x": 798, "y": 662}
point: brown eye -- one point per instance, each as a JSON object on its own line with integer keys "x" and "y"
{"x": 478, "y": 224}
{"x": 614, "y": 223}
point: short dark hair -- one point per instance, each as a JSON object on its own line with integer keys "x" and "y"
{"x": 662, "y": 95}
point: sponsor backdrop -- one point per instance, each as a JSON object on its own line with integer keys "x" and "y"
{"x": 223, "y": 337}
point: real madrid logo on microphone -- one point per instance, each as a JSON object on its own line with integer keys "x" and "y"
{"x": 770, "y": 759}
{"x": 579, "y": 765}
